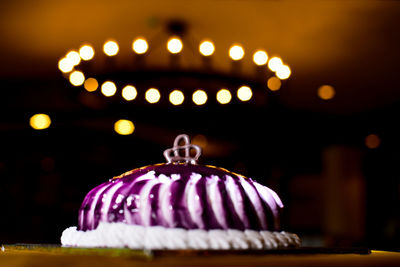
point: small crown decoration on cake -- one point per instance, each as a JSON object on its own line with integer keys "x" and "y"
{"x": 172, "y": 155}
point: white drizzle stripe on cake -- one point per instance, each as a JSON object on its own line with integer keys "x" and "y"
{"x": 237, "y": 200}
{"x": 157, "y": 237}
{"x": 255, "y": 201}
{"x": 107, "y": 198}
{"x": 215, "y": 200}
{"x": 193, "y": 200}
{"x": 94, "y": 203}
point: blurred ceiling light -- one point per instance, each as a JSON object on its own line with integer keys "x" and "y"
{"x": 110, "y": 48}
{"x": 224, "y": 96}
{"x": 206, "y": 48}
{"x": 91, "y": 84}
{"x": 86, "y": 52}
{"x": 199, "y": 97}
{"x": 260, "y": 57}
{"x": 326, "y": 92}
{"x": 176, "y": 97}
{"x": 108, "y": 88}
{"x": 129, "y": 92}
{"x": 76, "y": 78}
{"x": 283, "y": 72}
{"x": 152, "y": 95}
{"x": 74, "y": 57}
{"x": 65, "y": 65}
{"x": 236, "y": 52}
{"x": 274, "y": 84}
{"x": 372, "y": 141}
{"x": 40, "y": 121}
{"x": 124, "y": 127}
{"x": 140, "y": 46}
{"x": 244, "y": 93}
{"x": 174, "y": 45}
{"x": 275, "y": 63}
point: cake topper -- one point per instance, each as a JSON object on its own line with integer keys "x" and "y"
{"x": 173, "y": 155}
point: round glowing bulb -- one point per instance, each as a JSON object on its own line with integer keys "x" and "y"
{"x": 140, "y": 46}
{"x": 236, "y": 52}
{"x": 124, "y": 127}
{"x": 174, "y": 45}
{"x": 275, "y": 63}
{"x": 108, "y": 88}
{"x": 207, "y": 48}
{"x": 260, "y": 57}
{"x": 40, "y": 121}
{"x": 152, "y": 95}
{"x": 283, "y": 72}
{"x": 326, "y": 92}
{"x": 111, "y": 48}
{"x": 86, "y": 52}
{"x": 244, "y": 93}
{"x": 91, "y": 84}
{"x": 176, "y": 97}
{"x": 224, "y": 96}
{"x": 274, "y": 84}
{"x": 74, "y": 57}
{"x": 65, "y": 65}
{"x": 129, "y": 92}
{"x": 199, "y": 97}
{"x": 76, "y": 78}
{"x": 372, "y": 141}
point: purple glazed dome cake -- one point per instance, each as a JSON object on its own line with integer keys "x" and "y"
{"x": 180, "y": 205}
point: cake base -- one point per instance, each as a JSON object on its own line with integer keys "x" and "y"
{"x": 119, "y": 235}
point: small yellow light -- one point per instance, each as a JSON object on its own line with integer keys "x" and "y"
{"x": 176, "y": 97}
{"x": 86, "y": 52}
{"x": 152, "y": 95}
{"x": 283, "y": 72}
{"x": 372, "y": 141}
{"x": 260, "y": 57}
{"x": 129, "y": 92}
{"x": 236, "y": 52}
{"x": 111, "y": 48}
{"x": 65, "y": 65}
{"x": 74, "y": 57}
{"x": 124, "y": 127}
{"x": 326, "y": 92}
{"x": 207, "y": 48}
{"x": 224, "y": 96}
{"x": 76, "y": 78}
{"x": 40, "y": 121}
{"x": 108, "y": 88}
{"x": 244, "y": 93}
{"x": 275, "y": 63}
{"x": 274, "y": 84}
{"x": 140, "y": 46}
{"x": 91, "y": 84}
{"x": 174, "y": 45}
{"x": 199, "y": 97}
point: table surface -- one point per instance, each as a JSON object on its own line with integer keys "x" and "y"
{"x": 41, "y": 255}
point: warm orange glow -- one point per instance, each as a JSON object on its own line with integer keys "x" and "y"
{"x": 152, "y": 95}
{"x": 40, "y": 121}
{"x": 176, "y": 97}
{"x": 124, "y": 127}
{"x": 274, "y": 84}
{"x": 65, "y": 65}
{"x": 91, "y": 84}
{"x": 174, "y": 45}
{"x": 283, "y": 72}
{"x": 76, "y": 78}
{"x": 129, "y": 92}
{"x": 206, "y": 48}
{"x": 111, "y": 48}
{"x": 200, "y": 140}
{"x": 74, "y": 57}
{"x": 224, "y": 96}
{"x": 260, "y": 57}
{"x": 326, "y": 92}
{"x": 244, "y": 93}
{"x": 236, "y": 52}
{"x": 372, "y": 141}
{"x": 199, "y": 97}
{"x": 108, "y": 88}
{"x": 86, "y": 52}
{"x": 275, "y": 63}
{"x": 140, "y": 46}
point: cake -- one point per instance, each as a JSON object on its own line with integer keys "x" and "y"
{"x": 180, "y": 205}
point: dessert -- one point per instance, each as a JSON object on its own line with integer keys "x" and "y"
{"x": 180, "y": 205}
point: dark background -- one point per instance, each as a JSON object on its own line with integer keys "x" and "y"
{"x": 312, "y": 152}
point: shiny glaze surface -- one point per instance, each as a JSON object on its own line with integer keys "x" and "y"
{"x": 182, "y": 196}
